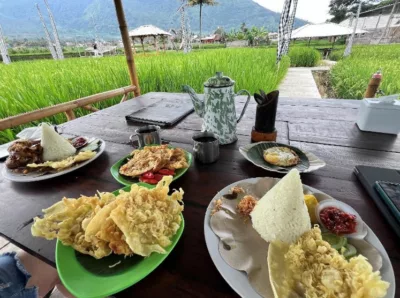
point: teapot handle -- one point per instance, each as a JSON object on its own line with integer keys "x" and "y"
{"x": 245, "y": 105}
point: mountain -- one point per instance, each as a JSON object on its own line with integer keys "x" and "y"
{"x": 88, "y": 18}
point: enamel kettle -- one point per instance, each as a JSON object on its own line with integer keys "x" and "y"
{"x": 218, "y": 107}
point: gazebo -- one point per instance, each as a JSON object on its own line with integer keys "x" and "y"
{"x": 330, "y": 30}
{"x": 146, "y": 31}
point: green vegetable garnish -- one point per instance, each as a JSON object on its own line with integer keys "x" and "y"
{"x": 337, "y": 242}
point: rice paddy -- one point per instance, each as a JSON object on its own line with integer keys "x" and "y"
{"x": 30, "y": 85}
{"x": 350, "y": 76}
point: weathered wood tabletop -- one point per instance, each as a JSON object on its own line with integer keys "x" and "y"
{"x": 325, "y": 127}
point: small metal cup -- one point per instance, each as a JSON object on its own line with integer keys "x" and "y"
{"x": 206, "y": 147}
{"x": 147, "y": 135}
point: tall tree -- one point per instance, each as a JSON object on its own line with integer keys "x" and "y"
{"x": 340, "y": 9}
{"x": 201, "y": 3}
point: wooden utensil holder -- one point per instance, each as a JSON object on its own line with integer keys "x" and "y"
{"x": 257, "y": 136}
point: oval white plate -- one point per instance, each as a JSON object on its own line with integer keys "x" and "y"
{"x": 9, "y": 175}
{"x": 238, "y": 279}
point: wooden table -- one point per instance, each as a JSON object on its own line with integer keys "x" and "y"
{"x": 325, "y": 127}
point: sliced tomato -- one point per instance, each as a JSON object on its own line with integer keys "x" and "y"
{"x": 148, "y": 175}
{"x": 166, "y": 172}
{"x": 158, "y": 177}
{"x": 147, "y": 180}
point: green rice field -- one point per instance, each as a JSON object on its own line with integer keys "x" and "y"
{"x": 30, "y": 85}
{"x": 350, "y": 76}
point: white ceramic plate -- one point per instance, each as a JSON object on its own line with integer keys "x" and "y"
{"x": 238, "y": 279}
{"x": 9, "y": 175}
{"x": 308, "y": 161}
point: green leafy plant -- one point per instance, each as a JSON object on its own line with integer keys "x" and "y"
{"x": 304, "y": 56}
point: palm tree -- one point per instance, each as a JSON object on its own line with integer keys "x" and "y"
{"x": 201, "y": 3}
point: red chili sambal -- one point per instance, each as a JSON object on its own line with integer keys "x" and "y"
{"x": 338, "y": 221}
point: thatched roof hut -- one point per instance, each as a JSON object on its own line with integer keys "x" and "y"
{"x": 146, "y": 31}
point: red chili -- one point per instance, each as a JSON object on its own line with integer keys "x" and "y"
{"x": 166, "y": 172}
{"x": 338, "y": 221}
{"x": 148, "y": 175}
{"x": 149, "y": 181}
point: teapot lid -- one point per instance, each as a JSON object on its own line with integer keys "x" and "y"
{"x": 219, "y": 81}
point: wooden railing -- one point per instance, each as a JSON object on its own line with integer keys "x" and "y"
{"x": 67, "y": 107}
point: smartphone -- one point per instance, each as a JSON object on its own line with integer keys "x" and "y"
{"x": 390, "y": 194}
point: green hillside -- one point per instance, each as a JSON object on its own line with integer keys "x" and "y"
{"x": 82, "y": 18}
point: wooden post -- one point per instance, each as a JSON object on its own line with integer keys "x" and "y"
{"x": 141, "y": 41}
{"x": 127, "y": 46}
{"x": 163, "y": 41}
{"x": 333, "y": 43}
{"x": 133, "y": 43}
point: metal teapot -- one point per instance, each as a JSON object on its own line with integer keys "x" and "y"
{"x": 218, "y": 107}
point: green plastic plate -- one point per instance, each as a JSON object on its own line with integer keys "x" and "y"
{"x": 125, "y": 180}
{"x": 87, "y": 277}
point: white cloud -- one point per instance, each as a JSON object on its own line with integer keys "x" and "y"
{"x": 314, "y": 11}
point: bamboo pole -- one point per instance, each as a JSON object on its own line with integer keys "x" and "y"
{"x": 3, "y": 49}
{"x": 384, "y": 34}
{"x": 63, "y": 107}
{"x": 124, "y": 98}
{"x": 59, "y": 51}
{"x": 92, "y": 108}
{"x": 70, "y": 115}
{"x": 46, "y": 32}
{"x": 127, "y": 46}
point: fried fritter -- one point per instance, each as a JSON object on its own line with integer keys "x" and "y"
{"x": 154, "y": 158}
{"x": 65, "y": 163}
{"x": 149, "y": 217}
{"x": 310, "y": 267}
{"x": 103, "y": 227}
{"x": 143, "y": 161}
{"x": 67, "y": 220}
{"x": 140, "y": 222}
{"x": 178, "y": 160}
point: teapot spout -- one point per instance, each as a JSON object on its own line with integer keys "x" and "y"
{"x": 197, "y": 102}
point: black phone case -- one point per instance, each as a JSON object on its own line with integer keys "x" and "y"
{"x": 390, "y": 194}
{"x": 368, "y": 176}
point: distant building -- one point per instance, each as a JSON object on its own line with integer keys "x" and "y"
{"x": 273, "y": 36}
{"x": 211, "y": 39}
{"x": 375, "y": 22}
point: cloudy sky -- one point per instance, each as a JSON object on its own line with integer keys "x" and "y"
{"x": 315, "y": 11}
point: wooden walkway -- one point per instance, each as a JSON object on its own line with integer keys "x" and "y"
{"x": 299, "y": 82}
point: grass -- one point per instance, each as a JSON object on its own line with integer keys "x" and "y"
{"x": 350, "y": 76}
{"x": 30, "y": 85}
{"x": 304, "y": 56}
